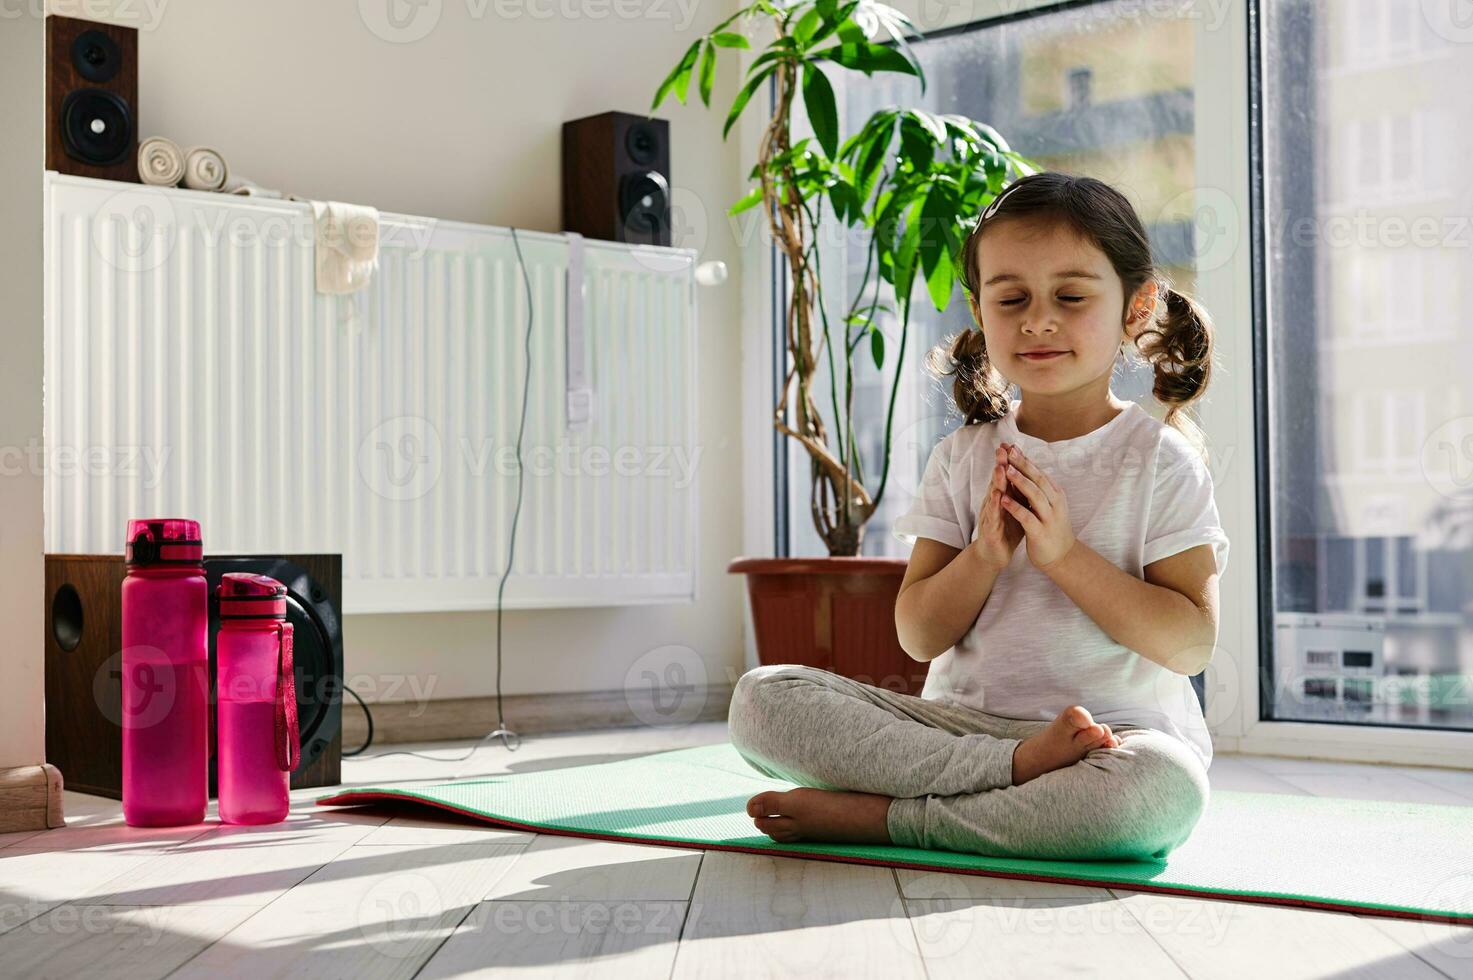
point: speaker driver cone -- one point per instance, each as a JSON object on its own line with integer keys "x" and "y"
{"x": 96, "y": 127}
{"x": 96, "y": 57}
{"x": 644, "y": 200}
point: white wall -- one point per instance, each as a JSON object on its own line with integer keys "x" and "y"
{"x": 22, "y": 156}
{"x": 463, "y": 123}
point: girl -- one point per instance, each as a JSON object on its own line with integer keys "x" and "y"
{"x": 1058, "y": 720}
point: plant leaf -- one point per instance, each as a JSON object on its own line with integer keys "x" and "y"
{"x": 905, "y": 256}
{"x": 823, "y": 113}
{"x": 896, "y": 24}
{"x": 915, "y": 143}
{"x": 728, "y": 39}
{"x": 930, "y": 124}
{"x": 670, "y": 80}
{"x": 682, "y": 80}
{"x": 937, "y": 214}
{"x": 807, "y": 25}
{"x": 868, "y": 58}
{"x": 877, "y": 347}
{"x": 707, "y": 72}
{"x": 743, "y": 97}
{"x": 752, "y": 198}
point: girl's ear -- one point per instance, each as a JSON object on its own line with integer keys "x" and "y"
{"x": 1143, "y": 305}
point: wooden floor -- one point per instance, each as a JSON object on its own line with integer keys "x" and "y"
{"x": 363, "y": 894}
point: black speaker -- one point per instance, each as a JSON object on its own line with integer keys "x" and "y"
{"x": 616, "y": 178}
{"x": 91, "y": 99}
{"x": 312, "y": 604}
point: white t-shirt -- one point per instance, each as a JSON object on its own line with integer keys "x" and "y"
{"x": 1138, "y": 491}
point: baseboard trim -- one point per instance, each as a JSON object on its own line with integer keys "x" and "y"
{"x": 396, "y": 722}
{"x": 30, "y": 798}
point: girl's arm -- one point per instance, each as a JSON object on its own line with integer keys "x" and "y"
{"x": 941, "y": 596}
{"x": 1170, "y": 619}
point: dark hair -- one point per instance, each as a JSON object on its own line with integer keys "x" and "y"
{"x": 1176, "y": 341}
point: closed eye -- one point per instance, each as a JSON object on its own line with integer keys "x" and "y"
{"x": 1067, "y": 299}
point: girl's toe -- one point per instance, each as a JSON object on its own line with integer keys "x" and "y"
{"x": 778, "y": 828}
{"x": 1089, "y": 735}
{"x": 763, "y": 804}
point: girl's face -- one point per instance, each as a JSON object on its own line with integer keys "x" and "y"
{"x": 1043, "y": 288}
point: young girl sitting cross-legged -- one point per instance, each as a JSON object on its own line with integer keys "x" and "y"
{"x": 1058, "y": 719}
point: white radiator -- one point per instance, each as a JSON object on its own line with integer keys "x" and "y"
{"x": 193, "y": 371}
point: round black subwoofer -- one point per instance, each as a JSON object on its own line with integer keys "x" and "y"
{"x": 96, "y": 57}
{"x": 96, "y": 127}
{"x": 317, "y": 650}
{"x": 644, "y": 201}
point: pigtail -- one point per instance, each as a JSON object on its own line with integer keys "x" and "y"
{"x": 1179, "y": 348}
{"x": 980, "y": 393}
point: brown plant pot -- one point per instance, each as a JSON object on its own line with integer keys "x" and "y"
{"x": 835, "y": 613}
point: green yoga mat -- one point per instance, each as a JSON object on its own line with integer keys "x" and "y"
{"x": 1405, "y": 860}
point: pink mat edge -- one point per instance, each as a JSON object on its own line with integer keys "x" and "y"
{"x": 350, "y": 797}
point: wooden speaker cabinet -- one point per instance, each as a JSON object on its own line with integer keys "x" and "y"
{"x": 616, "y": 178}
{"x": 91, "y": 99}
{"x": 84, "y": 632}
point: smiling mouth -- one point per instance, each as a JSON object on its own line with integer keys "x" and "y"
{"x": 1045, "y": 356}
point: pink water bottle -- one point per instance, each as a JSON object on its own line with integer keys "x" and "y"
{"x": 256, "y": 700}
{"x": 166, "y": 677}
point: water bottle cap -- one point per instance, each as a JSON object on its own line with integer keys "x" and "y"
{"x": 245, "y": 595}
{"x": 163, "y": 541}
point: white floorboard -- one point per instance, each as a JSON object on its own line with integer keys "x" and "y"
{"x": 372, "y": 892}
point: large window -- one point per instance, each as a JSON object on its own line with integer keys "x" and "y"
{"x": 1104, "y": 90}
{"x": 1369, "y": 448}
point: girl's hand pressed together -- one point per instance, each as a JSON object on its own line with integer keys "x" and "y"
{"x": 1045, "y": 518}
{"x": 998, "y": 532}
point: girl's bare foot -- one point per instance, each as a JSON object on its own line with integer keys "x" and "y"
{"x": 1066, "y": 740}
{"x": 806, "y": 813}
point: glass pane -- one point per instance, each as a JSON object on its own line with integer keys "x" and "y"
{"x": 1097, "y": 90}
{"x": 1370, "y": 446}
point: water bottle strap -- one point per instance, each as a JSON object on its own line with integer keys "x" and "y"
{"x": 288, "y": 740}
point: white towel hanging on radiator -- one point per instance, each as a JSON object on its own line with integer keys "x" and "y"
{"x": 346, "y": 244}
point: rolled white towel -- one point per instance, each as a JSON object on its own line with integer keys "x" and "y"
{"x": 160, "y": 161}
{"x": 204, "y": 169}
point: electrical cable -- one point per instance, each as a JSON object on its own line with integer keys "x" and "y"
{"x": 501, "y": 729}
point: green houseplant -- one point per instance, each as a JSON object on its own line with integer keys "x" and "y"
{"x": 913, "y": 180}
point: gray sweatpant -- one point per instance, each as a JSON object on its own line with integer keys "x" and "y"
{"x": 949, "y": 768}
